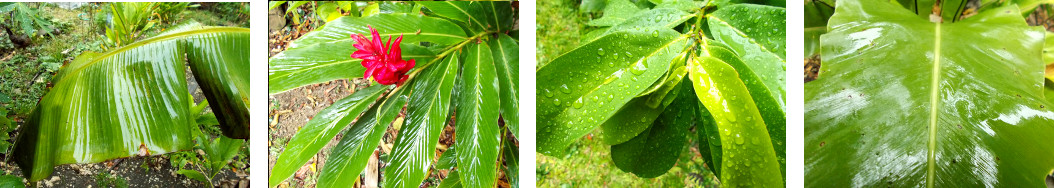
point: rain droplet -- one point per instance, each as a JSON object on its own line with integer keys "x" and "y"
{"x": 739, "y": 139}
{"x": 600, "y": 52}
{"x": 639, "y": 67}
{"x": 578, "y": 103}
{"x": 565, "y": 89}
{"x": 548, "y": 93}
{"x": 655, "y": 34}
{"x": 556, "y": 102}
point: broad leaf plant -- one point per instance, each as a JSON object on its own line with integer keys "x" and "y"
{"x": 656, "y": 75}
{"x": 438, "y": 60}
{"x": 134, "y": 100}
{"x": 928, "y": 94}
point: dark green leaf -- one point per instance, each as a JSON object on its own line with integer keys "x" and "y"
{"x": 448, "y": 160}
{"x": 220, "y": 152}
{"x": 193, "y": 174}
{"x": 709, "y": 139}
{"x": 655, "y": 151}
{"x": 471, "y": 13}
{"x": 512, "y": 163}
{"x": 10, "y": 181}
{"x": 452, "y": 180}
{"x": 757, "y": 34}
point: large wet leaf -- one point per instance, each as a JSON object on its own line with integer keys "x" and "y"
{"x": 132, "y": 100}
{"x": 324, "y": 55}
{"x": 757, "y": 34}
{"x": 426, "y": 116}
{"x": 325, "y": 125}
{"x": 476, "y": 124}
{"x": 347, "y": 160}
{"x": 470, "y": 13}
{"x": 748, "y": 156}
{"x": 583, "y": 88}
{"x": 505, "y": 51}
{"x": 654, "y": 151}
{"x": 615, "y": 12}
{"x": 904, "y": 102}
{"x": 764, "y": 100}
{"x": 816, "y": 14}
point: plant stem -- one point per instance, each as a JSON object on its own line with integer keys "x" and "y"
{"x": 440, "y": 57}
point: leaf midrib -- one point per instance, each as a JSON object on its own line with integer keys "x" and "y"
{"x": 934, "y": 100}
{"x": 382, "y": 36}
{"x": 466, "y": 13}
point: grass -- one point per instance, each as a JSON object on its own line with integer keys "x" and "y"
{"x": 588, "y": 164}
{"x": 560, "y": 26}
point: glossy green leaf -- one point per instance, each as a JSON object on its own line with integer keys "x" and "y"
{"x": 583, "y": 88}
{"x": 616, "y": 12}
{"x": 126, "y": 102}
{"x": 505, "y": 51}
{"x": 222, "y": 71}
{"x": 11, "y": 181}
{"x": 193, "y": 174}
{"x": 220, "y": 151}
{"x": 757, "y": 34}
{"x": 959, "y": 106}
{"x": 310, "y": 139}
{"x": 765, "y": 101}
{"x": 426, "y": 116}
{"x": 512, "y": 163}
{"x": 655, "y": 151}
{"x": 640, "y": 113}
{"x": 683, "y": 5}
{"x": 471, "y": 13}
{"x": 665, "y": 18}
{"x": 476, "y": 125}
{"x": 748, "y": 156}
{"x": 324, "y": 55}
{"x": 347, "y": 160}
{"x": 448, "y": 160}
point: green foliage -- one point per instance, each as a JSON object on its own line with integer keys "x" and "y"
{"x": 952, "y": 110}
{"x": 466, "y": 64}
{"x": 105, "y": 179}
{"x": 26, "y": 19}
{"x": 628, "y": 79}
{"x": 129, "y": 21}
{"x": 159, "y": 113}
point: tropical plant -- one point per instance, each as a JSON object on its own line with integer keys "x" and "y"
{"x": 629, "y": 79}
{"x": 25, "y": 19}
{"x": 463, "y": 62}
{"x": 133, "y": 100}
{"x": 328, "y": 10}
{"x": 911, "y": 96}
{"x": 128, "y": 22}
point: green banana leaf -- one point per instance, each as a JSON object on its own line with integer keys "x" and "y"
{"x": 904, "y": 102}
{"x": 583, "y": 88}
{"x": 310, "y": 139}
{"x": 133, "y": 100}
{"x": 426, "y": 116}
{"x": 324, "y": 55}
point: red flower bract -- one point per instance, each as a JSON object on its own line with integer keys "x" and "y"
{"x": 383, "y": 61}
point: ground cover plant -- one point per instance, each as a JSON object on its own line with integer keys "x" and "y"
{"x": 923, "y": 93}
{"x": 654, "y": 71}
{"x": 438, "y": 60}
